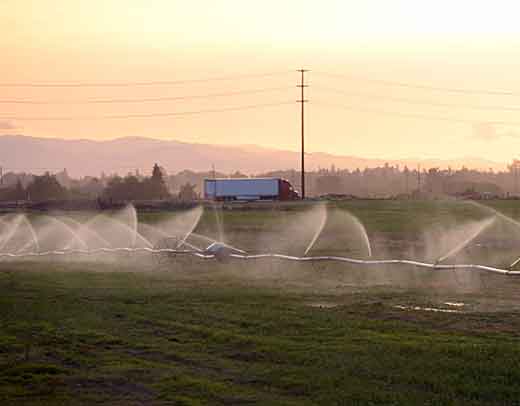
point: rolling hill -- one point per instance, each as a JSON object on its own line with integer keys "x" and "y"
{"x": 88, "y": 157}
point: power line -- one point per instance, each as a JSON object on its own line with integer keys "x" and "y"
{"x": 418, "y": 101}
{"x": 143, "y": 83}
{"x": 146, "y": 115}
{"x": 421, "y": 86}
{"x": 148, "y": 99}
{"x": 413, "y": 115}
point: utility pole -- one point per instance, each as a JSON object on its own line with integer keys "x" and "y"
{"x": 514, "y": 172}
{"x": 214, "y": 182}
{"x": 516, "y": 178}
{"x": 302, "y": 101}
{"x": 419, "y": 178}
{"x": 406, "y": 180}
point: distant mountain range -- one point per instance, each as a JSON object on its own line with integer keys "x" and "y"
{"x": 87, "y": 157}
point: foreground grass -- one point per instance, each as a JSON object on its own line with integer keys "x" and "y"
{"x": 126, "y": 338}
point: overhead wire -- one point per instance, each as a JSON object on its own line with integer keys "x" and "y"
{"x": 145, "y": 115}
{"x": 419, "y": 85}
{"x": 146, "y": 99}
{"x": 415, "y": 101}
{"x": 414, "y": 115}
{"x": 142, "y": 83}
{"x": 318, "y": 87}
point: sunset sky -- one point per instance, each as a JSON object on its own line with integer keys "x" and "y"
{"x": 389, "y": 79}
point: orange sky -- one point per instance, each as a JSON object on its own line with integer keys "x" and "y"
{"x": 445, "y": 44}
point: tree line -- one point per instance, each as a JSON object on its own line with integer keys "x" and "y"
{"x": 117, "y": 188}
{"x": 382, "y": 181}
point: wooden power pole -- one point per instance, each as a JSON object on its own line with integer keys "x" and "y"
{"x": 302, "y": 101}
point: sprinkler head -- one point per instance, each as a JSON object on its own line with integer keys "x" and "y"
{"x": 220, "y": 250}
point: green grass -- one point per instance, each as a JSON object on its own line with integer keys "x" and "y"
{"x": 165, "y": 338}
{"x": 132, "y": 332}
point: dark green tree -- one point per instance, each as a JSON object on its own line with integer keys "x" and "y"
{"x": 131, "y": 188}
{"x": 128, "y": 188}
{"x": 16, "y": 192}
{"x": 19, "y": 192}
{"x": 156, "y": 184}
{"x": 187, "y": 193}
{"x": 45, "y": 187}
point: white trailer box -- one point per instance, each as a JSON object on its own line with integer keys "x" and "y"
{"x": 242, "y": 189}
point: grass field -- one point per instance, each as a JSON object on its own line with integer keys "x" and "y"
{"x": 134, "y": 330}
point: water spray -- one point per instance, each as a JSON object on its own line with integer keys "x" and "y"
{"x": 319, "y": 230}
{"x": 505, "y": 218}
{"x": 459, "y": 247}
{"x": 192, "y": 227}
{"x": 177, "y": 244}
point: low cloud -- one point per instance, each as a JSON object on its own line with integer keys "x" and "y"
{"x": 7, "y": 125}
{"x": 489, "y": 132}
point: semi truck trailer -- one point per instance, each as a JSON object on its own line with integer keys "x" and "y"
{"x": 249, "y": 189}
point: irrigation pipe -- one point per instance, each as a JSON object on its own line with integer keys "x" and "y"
{"x": 245, "y": 257}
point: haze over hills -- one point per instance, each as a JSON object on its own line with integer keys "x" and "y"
{"x": 87, "y": 157}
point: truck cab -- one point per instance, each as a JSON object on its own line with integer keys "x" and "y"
{"x": 287, "y": 192}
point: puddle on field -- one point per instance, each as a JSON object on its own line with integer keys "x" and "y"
{"x": 454, "y": 304}
{"x": 430, "y": 309}
{"x": 323, "y": 305}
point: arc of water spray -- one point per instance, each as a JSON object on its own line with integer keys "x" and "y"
{"x": 197, "y": 235}
{"x": 34, "y": 237}
{"x": 503, "y": 217}
{"x": 129, "y": 209}
{"x": 5, "y": 224}
{"x": 17, "y": 223}
{"x": 318, "y": 231}
{"x": 134, "y": 231}
{"x": 69, "y": 230}
{"x": 212, "y": 241}
{"x": 13, "y": 224}
{"x": 496, "y": 213}
{"x": 220, "y": 231}
{"x": 193, "y": 247}
{"x": 133, "y": 214}
{"x": 363, "y": 230}
{"x": 33, "y": 234}
{"x": 219, "y": 222}
{"x": 203, "y": 237}
{"x": 514, "y": 263}
{"x": 353, "y": 218}
{"x": 193, "y": 226}
{"x": 459, "y": 247}
{"x": 167, "y": 235}
{"x": 120, "y": 224}
{"x": 85, "y": 227}
{"x": 151, "y": 229}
